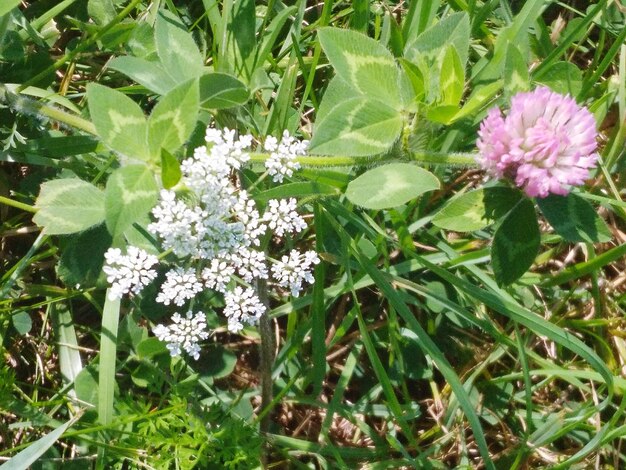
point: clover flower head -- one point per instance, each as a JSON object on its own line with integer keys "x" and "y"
{"x": 282, "y": 161}
{"x": 180, "y": 285}
{"x": 546, "y": 143}
{"x": 243, "y": 307}
{"x": 291, "y": 271}
{"x": 128, "y": 273}
{"x": 281, "y": 216}
{"x": 184, "y": 333}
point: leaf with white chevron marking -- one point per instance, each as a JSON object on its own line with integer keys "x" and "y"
{"x": 357, "y": 127}
{"x": 173, "y": 119}
{"x": 69, "y": 205}
{"x": 365, "y": 64}
{"x": 131, "y": 193}
{"x": 119, "y": 122}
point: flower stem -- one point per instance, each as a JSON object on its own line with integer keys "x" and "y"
{"x": 432, "y": 158}
{"x": 24, "y": 105}
{"x": 266, "y": 364}
{"x": 451, "y": 158}
{"x": 18, "y": 205}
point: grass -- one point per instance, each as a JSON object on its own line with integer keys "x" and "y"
{"x": 406, "y": 352}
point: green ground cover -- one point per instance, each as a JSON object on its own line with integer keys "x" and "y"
{"x": 405, "y": 303}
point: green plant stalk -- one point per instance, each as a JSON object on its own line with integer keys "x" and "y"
{"x": 432, "y": 158}
{"x": 266, "y": 364}
{"x": 18, "y": 205}
{"x": 83, "y": 46}
{"x": 26, "y": 105}
{"x": 29, "y": 106}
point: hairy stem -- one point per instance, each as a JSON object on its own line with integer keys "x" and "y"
{"x": 267, "y": 362}
{"x": 18, "y": 205}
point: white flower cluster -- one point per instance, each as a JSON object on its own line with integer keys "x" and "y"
{"x": 283, "y": 154}
{"x": 128, "y": 273}
{"x": 216, "y": 230}
{"x": 242, "y": 307}
{"x": 184, "y": 333}
{"x": 291, "y": 271}
{"x": 180, "y": 285}
{"x": 281, "y": 216}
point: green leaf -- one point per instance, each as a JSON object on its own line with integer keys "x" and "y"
{"x": 451, "y": 78}
{"x": 516, "y": 77}
{"x": 219, "y": 362}
{"x": 63, "y": 146}
{"x": 150, "y": 347}
{"x": 101, "y": 11}
{"x": 476, "y": 209}
{"x": 336, "y": 93}
{"x": 131, "y": 193}
{"x": 363, "y": 63}
{"x": 515, "y": 243}
{"x": 563, "y": 77}
{"x": 8, "y": 5}
{"x": 22, "y": 322}
{"x": 491, "y": 67}
{"x": 68, "y": 205}
{"x": 357, "y": 127}
{"x": 31, "y": 454}
{"x": 138, "y": 235}
{"x": 300, "y": 189}
{"x": 416, "y": 78}
{"x": 574, "y": 219}
{"x": 119, "y": 121}
{"x": 220, "y": 91}
{"x": 177, "y": 50}
{"x": 479, "y": 98}
{"x": 453, "y": 30}
{"x": 390, "y": 185}
{"x": 146, "y": 73}
{"x": 70, "y": 363}
{"x": 86, "y": 385}
{"x": 442, "y": 114}
{"x": 173, "y": 119}
{"x": 107, "y": 361}
{"x": 170, "y": 170}
{"x": 83, "y": 256}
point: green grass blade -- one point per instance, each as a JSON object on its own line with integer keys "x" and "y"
{"x": 70, "y": 362}
{"x": 430, "y": 348}
{"x": 108, "y": 353}
{"x": 28, "y": 456}
{"x": 538, "y": 325}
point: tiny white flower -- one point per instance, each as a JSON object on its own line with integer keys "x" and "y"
{"x": 128, "y": 273}
{"x": 250, "y": 264}
{"x": 245, "y": 211}
{"x": 180, "y": 286}
{"x": 183, "y": 334}
{"x": 291, "y": 271}
{"x": 282, "y": 160}
{"x": 217, "y": 275}
{"x": 281, "y": 216}
{"x": 242, "y": 307}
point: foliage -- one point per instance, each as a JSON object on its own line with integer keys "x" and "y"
{"x": 454, "y": 321}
